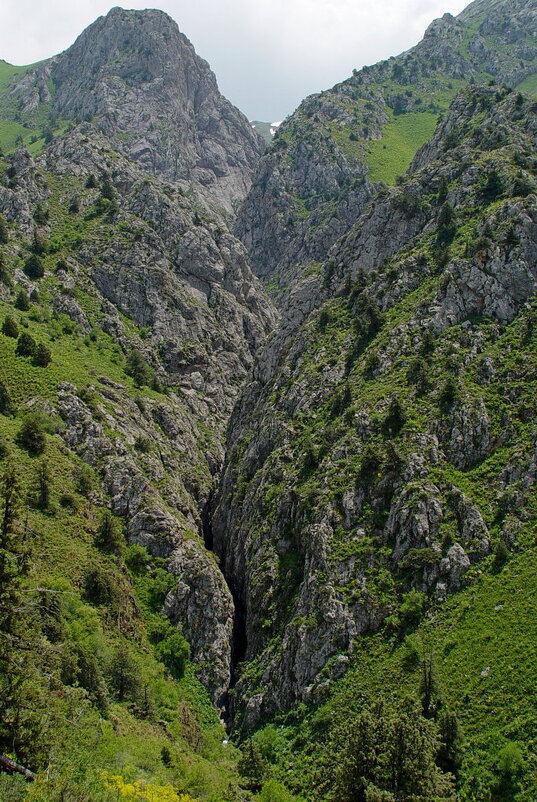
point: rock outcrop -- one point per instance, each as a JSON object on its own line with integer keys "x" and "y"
{"x": 138, "y": 81}
{"x": 316, "y": 177}
{"x": 340, "y": 493}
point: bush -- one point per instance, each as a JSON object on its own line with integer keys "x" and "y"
{"x": 10, "y": 328}
{"x": 32, "y": 434}
{"x": 40, "y": 215}
{"x": 4, "y": 233}
{"x": 449, "y": 394}
{"x": 26, "y": 345}
{"x": 33, "y": 267}
{"x": 109, "y": 537}
{"x": 42, "y": 356}
{"x": 493, "y": 187}
{"x": 84, "y": 480}
{"x": 6, "y": 404}
{"x": 124, "y": 676}
{"x": 101, "y": 587}
{"x": 412, "y": 608}
{"x": 22, "y": 302}
{"x": 173, "y": 651}
{"x": 140, "y": 370}
{"x": 394, "y": 420}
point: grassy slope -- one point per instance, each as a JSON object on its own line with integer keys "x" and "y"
{"x": 63, "y": 551}
{"x": 485, "y": 665}
{"x": 529, "y": 86}
{"x": 402, "y": 137}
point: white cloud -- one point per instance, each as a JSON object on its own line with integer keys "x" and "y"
{"x": 267, "y": 54}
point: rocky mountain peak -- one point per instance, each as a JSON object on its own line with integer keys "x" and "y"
{"x": 136, "y": 46}
{"x": 138, "y": 80}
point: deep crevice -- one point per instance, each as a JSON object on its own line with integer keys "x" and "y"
{"x": 239, "y": 641}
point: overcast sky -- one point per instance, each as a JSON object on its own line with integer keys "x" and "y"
{"x": 267, "y": 54}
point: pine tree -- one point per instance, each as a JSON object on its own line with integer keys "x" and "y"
{"x": 44, "y": 486}
{"x": 26, "y": 345}
{"x": 109, "y": 538}
{"x": 252, "y": 766}
{"x": 22, "y": 302}
{"x": 9, "y": 327}
{"x": 42, "y": 356}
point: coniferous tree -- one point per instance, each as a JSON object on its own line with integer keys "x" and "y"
{"x": 33, "y": 267}
{"x": 384, "y": 754}
{"x": 252, "y": 766}
{"x": 26, "y": 345}
{"x": 22, "y": 302}
{"x": 44, "y": 486}
{"x": 451, "y": 740}
{"x": 6, "y": 404}
{"x": 124, "y": 676}
{"x": 32, "y": 435}
{"x": 9, "y": 327}
{"x": 109, "y": 537}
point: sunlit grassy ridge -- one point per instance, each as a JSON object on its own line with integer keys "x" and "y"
{"x": 401, "y": 139}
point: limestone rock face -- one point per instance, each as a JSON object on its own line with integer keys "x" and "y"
{"x": 171, "y": 284}
{"x": 315, "y": 178}
{"x": 343, "y": 489}
{"x": 139, "y": 82}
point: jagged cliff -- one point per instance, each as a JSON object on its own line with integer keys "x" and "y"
{"x": 138, "y": 81}
{"x": 293, "y": 486}
{"x": 329, "y": 156}
{"x": 142, "y": 260}
{"x": 344, "y": 488}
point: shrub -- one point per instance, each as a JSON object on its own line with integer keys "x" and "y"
{"x": 40, "y": 215}
{"x": 411, "y": 608}
{"x": 173, "y": 651}
{"x": 42, "y": 356}
{"x": 22, "y": 302}
{"x": 449, "y": 394}
{"x": 394, "y": 420}
{"x": 124, "y": 676}
{"x": 4, "y": 233}
{"x": 32, "y": 434}
{"x": 101, "y": 587}
{"x": 33, "y": 267}
{"x": 10, "y": 328}
{"x": 140, "y": 370}
{"x": 26, "y": 345}
{"x": 446, "y": 226}
{"x": 109, "y": 537}
{"x": 84, "y": 480}
{"x": 493, "y": 186}
{"x": 6, "y": 404}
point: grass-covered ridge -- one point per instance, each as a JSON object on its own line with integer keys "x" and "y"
{"x": 402, "y": 137}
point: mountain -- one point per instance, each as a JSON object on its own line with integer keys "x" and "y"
{"x": 138, "y": 81}
{"x": 328, "y": 158}
{"x": 269, "y": 462}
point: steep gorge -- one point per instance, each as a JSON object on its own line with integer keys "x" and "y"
{"x": 313, "y": 475}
